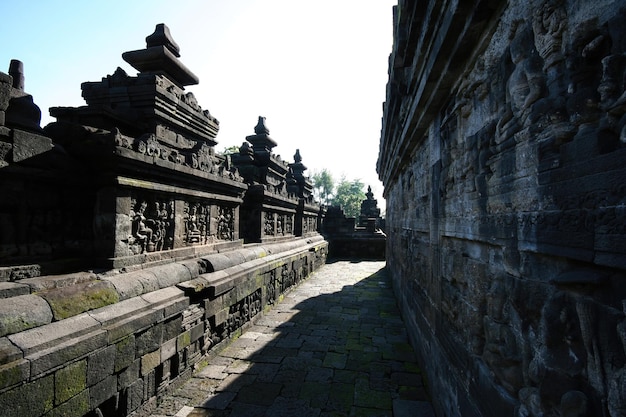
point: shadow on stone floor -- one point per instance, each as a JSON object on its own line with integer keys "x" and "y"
{"x": 335, "y": 346}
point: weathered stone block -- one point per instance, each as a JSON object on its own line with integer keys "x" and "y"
{"x": 129, "y": 285}
{"x": 48, "y": 282}
{"x": 18, "y": 272}
{"x": 13, "y": 289}
{"x": 114, "y": 314}
{"x": 172, "y": 327}
{"x": 76, "y": 406}
{"x": 212, "y": 306}
{"x": 65, "y": 352}
{"x": 171, "y": 274}
{"x": 52, "y": 334}
{"x": 75, "y": 299}
{"x": 69, "y": 381}
{"x": 125, "y": 352}
{"x": 168, "y": 349}
{"x": 6, "y": 82}
{"x": 101, "y": 364}
{"x": 102, "y": 391}
{"x": 149, "y": 339}
{"x": 27, "y": 145}
{"x": 14, "y": 373}
{"x": 149, "y": 385}
{"x": 194, "y": 268}
{"x": 142, "y": 320}
{"x": 172, "y": 300}
{"x": 129, "y": 375}
{"x": 134, "y": 395}
{"x": 8, "y": 351}
{"x": 23, "y": 312}
{"x": 221, "y": 316}
{"x": 32, "y": 399}
{"x": 183, "y": 340}
{"x": 149, "y": 361}
{"x": 196, "y": 332}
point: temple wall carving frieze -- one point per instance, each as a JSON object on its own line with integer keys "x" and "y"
{"x": 502, "y": 154}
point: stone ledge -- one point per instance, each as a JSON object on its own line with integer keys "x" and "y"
{"x": 34, "y": 353}
{"x": 73, "y": 294}
{"x": 23, "y": 312}
{"x": 72, "y": 300}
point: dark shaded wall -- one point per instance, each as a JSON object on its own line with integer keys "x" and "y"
{"x": 503, "y": 156}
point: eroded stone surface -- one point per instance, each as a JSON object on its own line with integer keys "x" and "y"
{"x": 504, "y": 211}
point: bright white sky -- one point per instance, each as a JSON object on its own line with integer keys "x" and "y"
{"x": 316, "y": 69}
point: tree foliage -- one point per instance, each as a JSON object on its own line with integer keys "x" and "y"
{"x": 323, "y": 186}
{"x": 349, "y": 195}
{"x": 230, "y": 150}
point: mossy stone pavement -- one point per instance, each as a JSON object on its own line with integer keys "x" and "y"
{"x": 334, "y": 346}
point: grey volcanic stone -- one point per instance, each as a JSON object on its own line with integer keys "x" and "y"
{"x": 23, "y": 312}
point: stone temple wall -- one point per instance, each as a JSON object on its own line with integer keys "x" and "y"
{"x": 121, "y": 259}
{"x": 503, "y": 156}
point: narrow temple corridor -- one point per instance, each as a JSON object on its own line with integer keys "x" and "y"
{"x": 335, "y": 346}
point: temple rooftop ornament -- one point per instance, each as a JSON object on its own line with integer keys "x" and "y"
{"x": 153, "y": 102}
{"x": 22, "y": 112}
{"x": 261, "y": 141}
{"x": 261, "y": 128}
{"x": 161, "y": 57}
{"x": 297, "y": 158}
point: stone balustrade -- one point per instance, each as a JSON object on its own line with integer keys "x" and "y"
{"x": 129, "y": 248}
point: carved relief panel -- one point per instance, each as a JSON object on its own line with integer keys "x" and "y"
{"x": 152, "y": 224}
{"x": 243, "y": 311}
{"x": 206, "y": 223}
{"x": 155, "y": 223}
{"x": 277, "y": 224}
{"x": 269, "y": 224}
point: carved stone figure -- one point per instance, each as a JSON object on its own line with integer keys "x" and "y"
{"x": 193, "y": 223}
{"x": 225, "y": 223}
{"x": 141, "y": 231}
{"x": 525, "y": 86}
{"x": 549, "y": 25}
{"x": 269, "y": 229}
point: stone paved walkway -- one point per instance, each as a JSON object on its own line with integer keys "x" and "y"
{"x": 335, "y": 346}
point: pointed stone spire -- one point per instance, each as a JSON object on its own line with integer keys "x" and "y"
{"x": 163, "y": 37}
{"x": 161, "y": 57}
{"x": 261, "y": 142}
{"x": 261, "y": 128}
{"x": 22, "y": 112}
{"x": 16, "y": 70}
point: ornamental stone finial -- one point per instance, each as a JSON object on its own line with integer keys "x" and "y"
{"x": 16, "y": 70}
{"x": 163, "y": 37}
{"x": 260, "y": 128}
{"x": 161, "y": 57}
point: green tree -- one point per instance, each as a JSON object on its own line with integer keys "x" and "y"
{"x": 349, "y": 195}
{"x": 230, "y": 150}
{"x": 323, "y": 185}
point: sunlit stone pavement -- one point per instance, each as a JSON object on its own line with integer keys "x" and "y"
{"x": 335, "y": 346}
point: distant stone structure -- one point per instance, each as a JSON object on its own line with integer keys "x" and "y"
{"x": 370, "y": 213}
{"x": 503, "y": 157}
{"x": 122, "y": 257}
{"x": 347, "y": 239}
{"x": 279, "y": 202}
